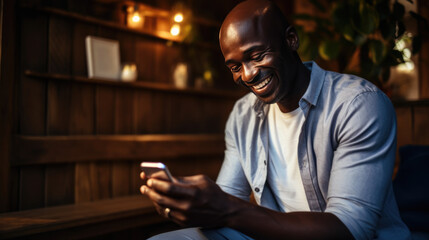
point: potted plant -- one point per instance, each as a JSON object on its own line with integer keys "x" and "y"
{"x": 361, "y": 35}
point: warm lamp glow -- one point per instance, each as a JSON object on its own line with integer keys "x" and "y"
{"x": 178, "y": 17}
{"x": 175, "y": 30}
{"x": 136, "y": 17}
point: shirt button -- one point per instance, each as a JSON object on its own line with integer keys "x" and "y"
{"x": 256, "y": 189}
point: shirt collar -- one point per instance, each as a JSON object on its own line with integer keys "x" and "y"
{"x": 310, "y": 96}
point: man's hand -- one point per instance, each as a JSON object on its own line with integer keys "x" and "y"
{"x": 193, "y": 201}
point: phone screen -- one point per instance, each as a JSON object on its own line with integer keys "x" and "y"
{"x": 150, "y": 168}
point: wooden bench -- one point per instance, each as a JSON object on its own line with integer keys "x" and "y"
{"x": 84, "y": 220}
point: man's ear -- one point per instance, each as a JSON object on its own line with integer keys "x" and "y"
{"x": 292, "y": 39}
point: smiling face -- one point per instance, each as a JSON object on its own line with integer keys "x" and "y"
{"x": 259, "y": 50}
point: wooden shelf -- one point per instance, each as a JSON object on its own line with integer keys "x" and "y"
{"x": 137, "y": 84}
{"x": 31, "y": 150}
{"x": 91, "y": 218}
{"x": 110, "y": 24}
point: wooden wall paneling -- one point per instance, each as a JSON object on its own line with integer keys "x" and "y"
{"x": 166, "y": 59}
{"x": 101, "y": 180}
{"x": 145, "y": 60}
{"x": 59, "y": 99}
{"x": 143, "y": 112}
{"x": 421, "y": 130}
{"x": 80, "y": 31}
{"x": 65, "y": 149}
{"x": 59, "y": 179}
{"x": 188, "y": 116}
{"x": 404, "y": 130}
{"x": 82, "y": 110}
{"x": 156, "y": 119}
{"x": 124, "y": 124}
{"x": 124, "y": 111}
{"x": 167, "y": 104}
{"x": 60, "y": 42}
{"x": 59, "y": 184}
{"x": 34, "y": 57}
{"x": 136, "y": 182}
{"x": 424, "y": 51}
{"x": 8, "y": 106}
{"x": 15, "y": 184}
{"x": 121, "y": 178}
{"x": 127, "y": 46}
{"x": 404, "y": 125}
{"x": 32, "y": 190}
{"x": 104, "y": 124}
{"x": 82, "y": 107}
{"x": 217, "y": 112}
{"x": 105, "y": 110}
{"x": 32, "y": 108}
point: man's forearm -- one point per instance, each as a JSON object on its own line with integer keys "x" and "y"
{"x": 263, "y": 223}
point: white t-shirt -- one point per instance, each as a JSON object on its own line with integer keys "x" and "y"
{"x": 284, "y": 176}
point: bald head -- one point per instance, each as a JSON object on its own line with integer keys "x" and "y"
{"x": 257, "y": 16}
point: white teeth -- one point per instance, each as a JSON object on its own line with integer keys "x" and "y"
{"x": 262, "y": 84}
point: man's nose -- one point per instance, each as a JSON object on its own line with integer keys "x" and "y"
{"x": 249, "y": 73}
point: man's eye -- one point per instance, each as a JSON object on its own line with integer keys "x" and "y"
{"x": 235, "y": 68}
{"x": 257, "y": 57}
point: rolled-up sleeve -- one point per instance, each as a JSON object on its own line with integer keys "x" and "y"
{"x": 363, "y": 163}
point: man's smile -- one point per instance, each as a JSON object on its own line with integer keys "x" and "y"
{"x": 262, "y": 84}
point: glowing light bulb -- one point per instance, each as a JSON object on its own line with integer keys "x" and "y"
{"x": 175, "y": 30}
{"x": 136, "y": 17}
{"x": 178, "y": 17}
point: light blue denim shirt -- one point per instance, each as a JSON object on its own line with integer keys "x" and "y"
{"x": 346, "y": 153}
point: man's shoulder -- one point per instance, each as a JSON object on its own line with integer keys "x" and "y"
{"x": 347, "y": 87}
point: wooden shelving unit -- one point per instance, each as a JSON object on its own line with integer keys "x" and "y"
{"x": 114, "y": 25}
{"x": 164, "y": 87}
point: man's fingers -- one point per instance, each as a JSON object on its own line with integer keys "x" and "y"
{"x": 172, "y": 189}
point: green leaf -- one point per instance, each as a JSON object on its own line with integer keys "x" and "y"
{"x": 368, "y": 18}
{"x": 329, "y": 50}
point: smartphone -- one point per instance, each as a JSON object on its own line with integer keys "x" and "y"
{"x": 150, "y": 168}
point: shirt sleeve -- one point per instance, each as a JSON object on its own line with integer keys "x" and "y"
{"x": 231, "y": 178}
{"x": 363, "y": 163}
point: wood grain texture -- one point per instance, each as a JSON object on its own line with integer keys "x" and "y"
{"x": 421, "y": 120}
{"x": 113, "y": 215}
{"x": 82, "y": 109}
{"x": 32, "y": 106}
{"x": 59, "y": 184}
{"x": 404, "y": 125}
{"x": 60, "y": 42}
{"x": 63, "y": 149}
{"x": 80, "y": 31}
{"x": 32, "y": 190}
{"x": 32, "y": 92}
{"x": 8, "y": 106}
{"x": 424, "y": 51}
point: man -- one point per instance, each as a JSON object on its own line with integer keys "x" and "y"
{"x": 316, "y": 148}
